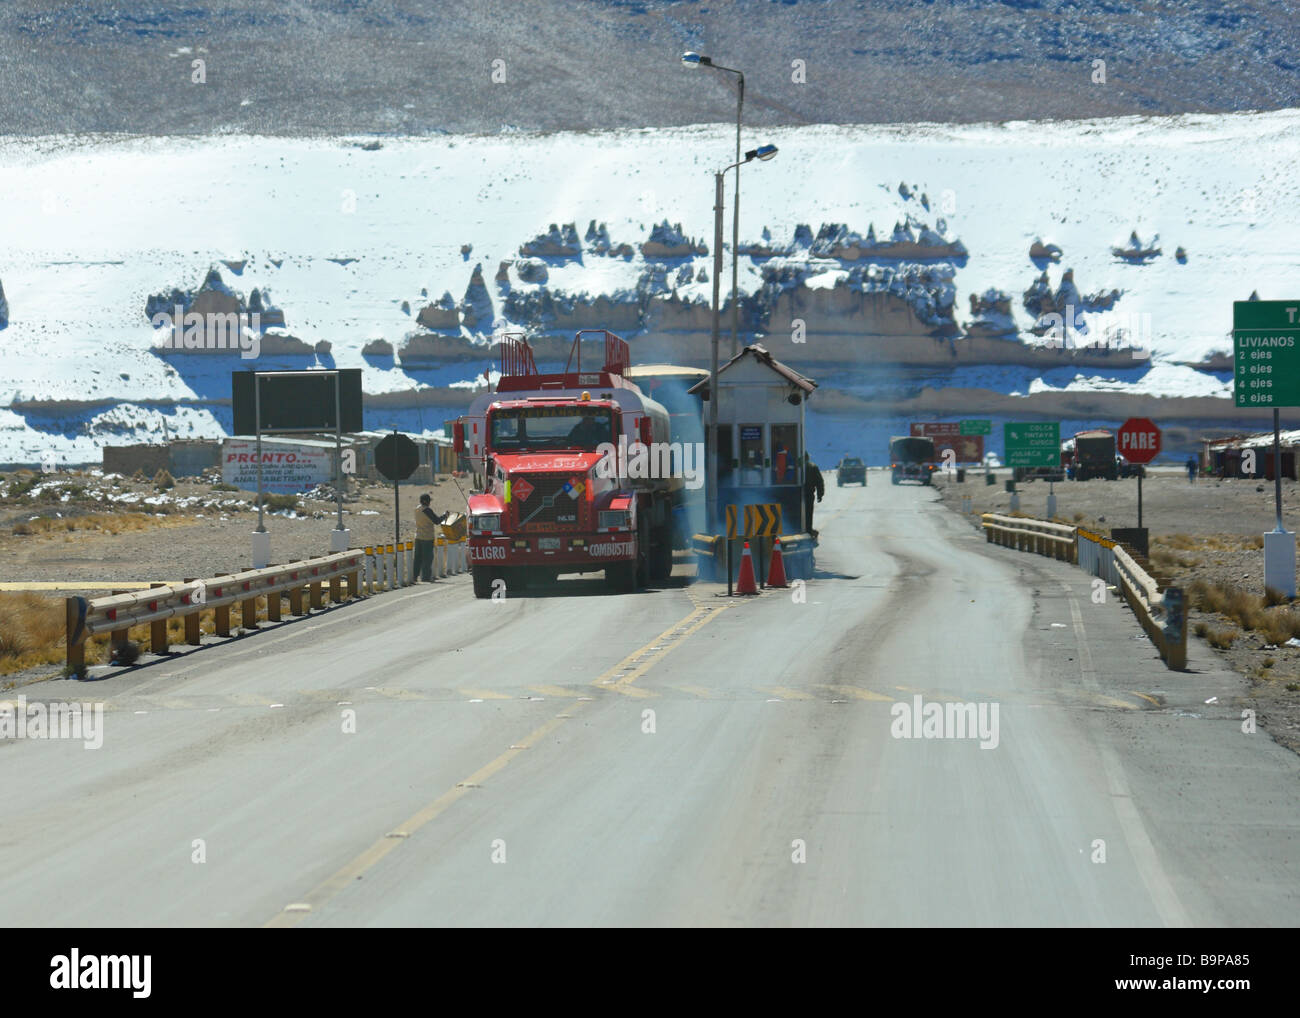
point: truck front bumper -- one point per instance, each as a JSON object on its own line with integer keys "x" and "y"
{"x": 565, "y": 553}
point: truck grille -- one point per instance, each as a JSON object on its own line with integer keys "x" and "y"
{"x": 548, "y": 506}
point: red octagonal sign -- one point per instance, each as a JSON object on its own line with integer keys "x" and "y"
{"x": 1139, "y": 440}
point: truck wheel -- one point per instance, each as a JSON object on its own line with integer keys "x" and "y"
{"x": 482, "y": 581}
{"x": 643, "y": 553}
{"x": 661, "y": 555}
{"x": 621, "y": 577}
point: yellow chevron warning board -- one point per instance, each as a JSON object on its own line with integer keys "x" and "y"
{"x": 731, "y": 522}
{"x": 762, "y": 520}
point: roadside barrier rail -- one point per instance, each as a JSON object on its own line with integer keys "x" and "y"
{"x": 1024, "y": 533}
{"x": 116, "y": 614}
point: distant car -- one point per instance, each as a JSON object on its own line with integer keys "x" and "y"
{"x": 1127, "y": 469}
{"x": 850, "y": 470}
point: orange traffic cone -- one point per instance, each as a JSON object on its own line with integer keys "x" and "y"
{"x": 776, "y": 569}
{"x": 745, "y": 583}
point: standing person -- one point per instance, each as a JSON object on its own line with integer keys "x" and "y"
{"x": 426, "y": 533}
{"x": 1191, "y": 469}
{"x": 812, "y": 484}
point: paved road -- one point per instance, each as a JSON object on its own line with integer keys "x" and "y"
{"x": 502, "y": 769}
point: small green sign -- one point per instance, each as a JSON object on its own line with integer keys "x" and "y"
{"x": 976, "y": 427}
{"x": 1032, "y": 443}
{"x": 1266, "y": 353}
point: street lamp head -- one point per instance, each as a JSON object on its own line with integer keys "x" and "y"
{"x": 765, "y": 152}
{"x": 695, "y": 60}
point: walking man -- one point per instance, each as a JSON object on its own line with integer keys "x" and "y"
{"x": 426, "y": 533}
{"x": 1191, "y": 469}
{"x": 812, "y": 485}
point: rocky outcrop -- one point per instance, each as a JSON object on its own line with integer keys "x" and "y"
{"x": 547, "y": 310}
{"x": 670, "y": 242}
{"x": 476, "y": 306}
{"x": 441, "y": 314}
{"x": 215, "y": 297}
{"x": 910, "y": 240}
{"x": 378, "y": 348}
{"x": 1040, "y": 299}
{"x": 557, "y": 242}
{"x": 1040, "y": 253}
{"x": 990, "y": 315}
{"x": 4, "y": 308}
{"x": 1137, "y": 253}
{"x": 531, "y": 270}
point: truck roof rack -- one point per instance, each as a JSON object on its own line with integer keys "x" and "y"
{"x": 519, "y": 367}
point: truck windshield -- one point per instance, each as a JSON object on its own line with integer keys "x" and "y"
{"x": 551, "y": 428}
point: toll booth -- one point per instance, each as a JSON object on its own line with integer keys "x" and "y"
{"x": 760, "y": 441}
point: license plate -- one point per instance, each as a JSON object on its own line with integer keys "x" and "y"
{"x": 548, "y": 543}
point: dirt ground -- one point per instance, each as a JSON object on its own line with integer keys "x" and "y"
{"x": 195, "y": 530}
{"x": 1210, "y": 531}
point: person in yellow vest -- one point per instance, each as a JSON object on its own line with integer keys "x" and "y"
{"x": 426, "y": 532}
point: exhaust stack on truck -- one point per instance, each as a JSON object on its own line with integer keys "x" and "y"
{"x": 578, "y": 473}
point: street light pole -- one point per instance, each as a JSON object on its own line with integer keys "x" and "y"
{"x": 735, "y": 223}
{"x": 713, "y": 372}
{"x": 764, "y": 153}
{"x": 696, "y": 60}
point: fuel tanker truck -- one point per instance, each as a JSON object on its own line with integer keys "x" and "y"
{"x": 578, "y": 473}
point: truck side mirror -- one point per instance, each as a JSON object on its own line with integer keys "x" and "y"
{"x": 458, "y": 436}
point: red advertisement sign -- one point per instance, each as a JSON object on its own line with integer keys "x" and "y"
{"x": 947, "y": 435}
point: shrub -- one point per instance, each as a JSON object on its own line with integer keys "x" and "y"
{"x": 163, "y": 480}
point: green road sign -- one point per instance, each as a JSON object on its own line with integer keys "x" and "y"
{"x": 1032, "y": 443}
{"x": 1266, "y": 353}
{"x": 976, "y": 427}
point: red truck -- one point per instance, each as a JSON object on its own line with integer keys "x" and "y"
{"x": 578, "y": 473}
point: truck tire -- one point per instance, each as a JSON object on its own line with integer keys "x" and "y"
{"x": 482, "y": 581}
{"x": 621, "y": 577}
{"x": 661, "y": 555}
{"x": 643, "y": 553}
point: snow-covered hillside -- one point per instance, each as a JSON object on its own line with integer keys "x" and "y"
{"x": 351, "y": 241}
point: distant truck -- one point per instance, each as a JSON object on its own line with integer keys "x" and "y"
{"x": 1094, "y": 455}
{"x": 911, "y": 458}
{"x": 555, "y": 499}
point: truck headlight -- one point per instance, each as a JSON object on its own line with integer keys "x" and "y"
{"x": 615, "y": 518}
{"x": 487, "y": 521}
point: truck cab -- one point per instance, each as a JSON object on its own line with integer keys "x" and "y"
{"x": 570, "y": 478}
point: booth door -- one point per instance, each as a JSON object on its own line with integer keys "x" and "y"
{"x": 753, "y": 466}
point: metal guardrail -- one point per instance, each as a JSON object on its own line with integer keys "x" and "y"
{"x": 117, "y": 614}
{"x": 1024, "y": 533}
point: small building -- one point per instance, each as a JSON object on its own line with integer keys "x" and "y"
{"x": 1249, "y": 455}
{"x": 760, "y": 443}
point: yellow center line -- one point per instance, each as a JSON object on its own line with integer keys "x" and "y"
{"x": 788, "y": 694}
{"x": 857, "y": 692}
{"x": 657, "y": 648}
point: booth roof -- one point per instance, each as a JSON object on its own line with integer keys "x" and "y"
{"x": 759, "y": 353}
